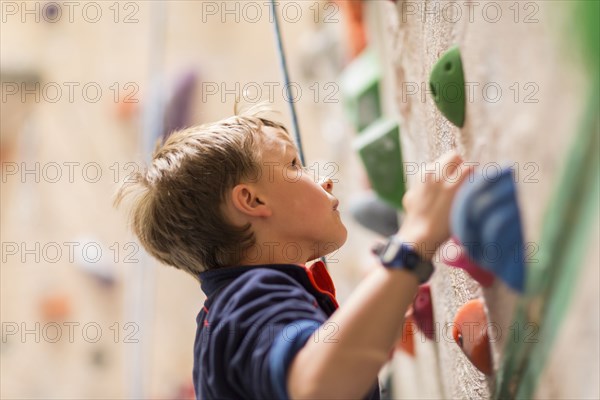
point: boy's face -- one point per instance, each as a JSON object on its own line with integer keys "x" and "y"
{"x": 304, "y": 212}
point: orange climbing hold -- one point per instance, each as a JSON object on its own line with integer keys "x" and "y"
{"x": 407, "y": 342}
{"x": 126, "y": 108}
{"x": 470, "y": 332}
{"x": 55, "y": 307}
{"x": 356, "y": 32}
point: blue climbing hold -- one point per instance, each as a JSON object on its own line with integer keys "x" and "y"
{"x": 485, "y": 218}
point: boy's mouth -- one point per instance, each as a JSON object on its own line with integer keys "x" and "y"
{"x": 335, "y": 205}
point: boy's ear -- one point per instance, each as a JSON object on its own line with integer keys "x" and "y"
{"x": 246, "y": 200}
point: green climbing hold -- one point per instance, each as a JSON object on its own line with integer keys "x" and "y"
{"x": 360, "y": 88}
{"x": 380, "y": 151}
{"x": 447, "y": 84}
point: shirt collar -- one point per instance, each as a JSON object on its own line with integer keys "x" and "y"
{"x": 315, "y": 276}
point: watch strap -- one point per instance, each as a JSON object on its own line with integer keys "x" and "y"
{"x": 401, "y": 255}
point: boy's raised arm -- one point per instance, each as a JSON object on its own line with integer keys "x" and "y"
{"x": 368, "y": 324}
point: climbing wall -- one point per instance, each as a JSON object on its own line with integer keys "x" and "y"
{"x": 233, "y": 53}
{"x": 526, "y": 93}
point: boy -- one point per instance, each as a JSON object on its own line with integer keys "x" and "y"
{"x": 228, "y": 203}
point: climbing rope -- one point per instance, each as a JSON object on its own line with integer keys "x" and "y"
{"x": 286, "y": 81}
{"x": 288, "y": 91}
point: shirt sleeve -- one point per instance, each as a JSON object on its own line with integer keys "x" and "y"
{"x": 256, "y": 327}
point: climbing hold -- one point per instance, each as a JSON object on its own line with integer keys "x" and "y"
{"x": 407, "y": 342}
{"x": 485, "y": 219}
{"x": 461, "y": 260}
{"x": 126, "y": 108}
{"x": 379, "y": 149}
{"x": 359, "y": 85}
{"x": 470, "y": 332}
{"x": 423, "y": 311}
{"x": 99, "y": 358}
{"x": 374, "y": 214}
{"x": 447, "y": 84}
{"x": 51, "y": 12}
{"x": 588, "y": 33}
{"x": 55, "y": 307}
{"x": 104, "y": 272}
{"x": 353, "y": 13}
{"x": 179, "y": 107}
{"x": 185, "y": 390}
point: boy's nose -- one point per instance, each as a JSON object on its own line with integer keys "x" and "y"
{"x": 327, "y": 184}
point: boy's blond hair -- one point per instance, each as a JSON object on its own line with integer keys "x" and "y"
{"x": 176, "y": 202}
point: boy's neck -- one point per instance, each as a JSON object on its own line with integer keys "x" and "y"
{"x": 280, "y": 252}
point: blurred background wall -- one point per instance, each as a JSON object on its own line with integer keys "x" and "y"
{"x": 85, "y": 314}
{"x": 78, "y": 81}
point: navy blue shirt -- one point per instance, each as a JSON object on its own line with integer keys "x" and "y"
{"x": 254, "y": 321}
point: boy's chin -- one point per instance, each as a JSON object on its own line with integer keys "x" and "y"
{"x": 343, "y": 236}
{"x": 331, "y": 246}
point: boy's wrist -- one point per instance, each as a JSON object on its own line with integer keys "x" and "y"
{"x": 400, "y": 254}
{"x": 421, "y": 242}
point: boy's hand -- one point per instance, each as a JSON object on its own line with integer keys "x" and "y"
{"x": 427, "y": 205}
{"x": 349, "y": 367}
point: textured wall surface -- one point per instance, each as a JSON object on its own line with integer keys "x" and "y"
{"x": 525, "y": 97}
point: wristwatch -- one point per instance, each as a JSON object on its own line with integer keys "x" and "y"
{"x": 397, "y": 254}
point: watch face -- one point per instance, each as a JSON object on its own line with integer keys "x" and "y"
{"x": 390, "y": 252}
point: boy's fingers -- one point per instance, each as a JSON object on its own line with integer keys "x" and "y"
{"x": 430, "y": 176}
{"x": 464, "y": 174}
{"x": 444, "y": 168}
{"x": 451, "y": 157}
{"x": 451, "y": 170}
{"x": 448, "y": 165}
{"x": 407, "y": 199}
